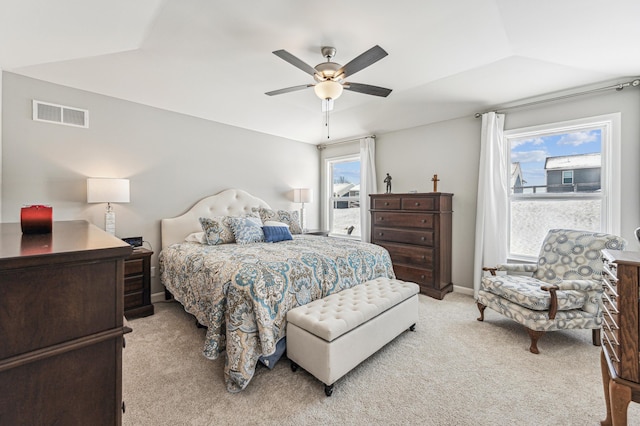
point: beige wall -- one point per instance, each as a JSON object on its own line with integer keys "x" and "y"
{"x": 172, "y": 160}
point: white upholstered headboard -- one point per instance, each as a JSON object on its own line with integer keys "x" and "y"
{"x": 231, "y": 202}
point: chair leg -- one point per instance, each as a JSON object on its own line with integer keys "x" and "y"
{"x": 481, "y": 307}
{"x": 535, "y": 335}
{"x": 595, "y": 335}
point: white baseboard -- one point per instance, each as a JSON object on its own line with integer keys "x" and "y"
{"x": 157, "y": 297}
{"x": 464, "y": 290}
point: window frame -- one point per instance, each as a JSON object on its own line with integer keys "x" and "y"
{"x": 328, "y": 195}
{"x": 610, "y": 151}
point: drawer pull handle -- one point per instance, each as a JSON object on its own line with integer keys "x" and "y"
{"x": 381, "y": 218}
{"x": 380, "y": 234}
{"x": 424, "y": 258}
{"x": 422, "y": 238}
{"x": 386, "y": 203}
{"x": 417, "y": 204}
{"x": 422, "y": 277}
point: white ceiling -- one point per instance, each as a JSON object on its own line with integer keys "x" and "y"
{"x": 212, "y": 58}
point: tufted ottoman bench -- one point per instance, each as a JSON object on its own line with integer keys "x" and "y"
{"x": 330, "y": 336}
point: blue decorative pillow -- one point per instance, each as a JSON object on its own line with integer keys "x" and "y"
{"x": 247, "y": 229}
{"x": 274, "y": 234}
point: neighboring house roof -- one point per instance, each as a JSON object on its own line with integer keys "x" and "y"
{"x": 516, "y": 171}
{"x": 339, "y": 189}
{"x": 355, "y": 188}
{"x": 568, "y": 162}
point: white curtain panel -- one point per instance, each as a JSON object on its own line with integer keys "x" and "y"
{"x": 493, "y": 197}
{"x": 368, "y": 184}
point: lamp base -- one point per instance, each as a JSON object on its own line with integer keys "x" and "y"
{"x": 110, "y": 222}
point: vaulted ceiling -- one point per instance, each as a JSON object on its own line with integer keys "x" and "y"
{"x": 213, "y": 58}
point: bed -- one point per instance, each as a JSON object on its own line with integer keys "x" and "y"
{"x": 242, "y": 292}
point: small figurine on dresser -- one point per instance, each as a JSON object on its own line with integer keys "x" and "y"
{"x": 435, "y": 181}
{"x": 387, "y": 180}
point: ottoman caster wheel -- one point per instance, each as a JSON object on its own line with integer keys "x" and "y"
{"x": 294, "y": 366}
{"x": 328, "y": 390}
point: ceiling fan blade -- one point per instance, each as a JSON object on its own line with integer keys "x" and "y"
{"x": 298, "y": 63}
{"x": 358, "y": 63}
{"x": 288, "y": 89}
{"x": 367, "y": 89}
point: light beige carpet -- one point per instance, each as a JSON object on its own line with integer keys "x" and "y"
{"x": 453, "y": 370}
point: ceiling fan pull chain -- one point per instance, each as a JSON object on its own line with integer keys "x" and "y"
{"x": 326, "y": 120}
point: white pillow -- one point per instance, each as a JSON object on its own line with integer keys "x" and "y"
{"x": 274, "y": 223}
{"x": 196, "y": 237}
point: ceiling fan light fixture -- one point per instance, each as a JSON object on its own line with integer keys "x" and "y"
{"x": 328, "y": 89}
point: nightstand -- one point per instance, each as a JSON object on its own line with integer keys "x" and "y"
{"x": 137, "y": 284}
{"x": 320, "y": 232}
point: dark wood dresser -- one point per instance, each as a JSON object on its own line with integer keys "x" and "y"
{"x": 61, "y": 325}
{"x": 620, "y": 361}
{"x": 416, "y": 230}
{"x": 137, "y": 284}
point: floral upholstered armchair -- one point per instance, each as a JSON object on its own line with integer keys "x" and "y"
{"x": 562, "y": 291}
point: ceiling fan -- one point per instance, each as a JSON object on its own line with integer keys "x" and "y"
{"x": 330, "y": 76}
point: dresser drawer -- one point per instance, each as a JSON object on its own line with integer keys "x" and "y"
{"x": 135, "y": 283}
{"x": 420, "y": 257}
{"x": 405, "y": 220}
{"x": 133, "y": 267}
{"x": 133, "y": 300}
{"x": 416, "y": 275}
{"x": 423, "y": 204}
{"x": 386, "y": 203}
{"x": 422, "y": 238}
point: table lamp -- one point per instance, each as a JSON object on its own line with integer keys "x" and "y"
{"x": 108, "y": 190}
{"x": 302, "y": 195}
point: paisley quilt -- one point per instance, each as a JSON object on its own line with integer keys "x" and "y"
{"x": 242, "y": 292}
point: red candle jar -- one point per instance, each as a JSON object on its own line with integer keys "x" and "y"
{"x": 36, "y": 219}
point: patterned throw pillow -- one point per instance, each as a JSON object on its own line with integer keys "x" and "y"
{"x": 217, "y": 230}
{"x": 265, "y": 214}
{"x": 247, "y": 229}
{"x": 291, "y": 218}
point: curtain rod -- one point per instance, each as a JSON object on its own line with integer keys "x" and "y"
{"x": 618, "y": 87}
{"x": 325, "y": 145}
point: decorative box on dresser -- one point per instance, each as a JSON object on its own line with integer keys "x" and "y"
{"x": 137, "y": 284}
{"x": 620, "y": 360}
{"x": 61, "y": 325}
{"x": 416, "y": 230}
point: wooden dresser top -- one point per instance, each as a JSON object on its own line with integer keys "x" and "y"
{"x": 69, "y": 241}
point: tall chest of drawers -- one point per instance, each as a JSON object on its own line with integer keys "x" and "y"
{"x": 620, "y": 361}
{"x": 61, "y": 325}
{"x": 416, "y": 230}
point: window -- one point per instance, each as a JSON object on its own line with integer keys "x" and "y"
{"x": 343, "y": 195}
{"x": 563, "y": 175}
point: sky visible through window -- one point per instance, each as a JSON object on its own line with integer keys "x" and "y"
{"x": 349, "y": 170}
{"x": 532, "y": 152}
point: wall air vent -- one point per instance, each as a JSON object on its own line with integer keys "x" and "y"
{"x": 60, "y": 114}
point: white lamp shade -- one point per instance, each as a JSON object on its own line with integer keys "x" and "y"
{"x": 107, "y": 190}
{"x": 302, "y": 195}
{"x": 328, "y": 89}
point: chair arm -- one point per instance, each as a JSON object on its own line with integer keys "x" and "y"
{"x": 491, "y": 270}
{"x": 553, "y": 307}
{"x": 518, "y": 267}
{"x": 583, "y": 285}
